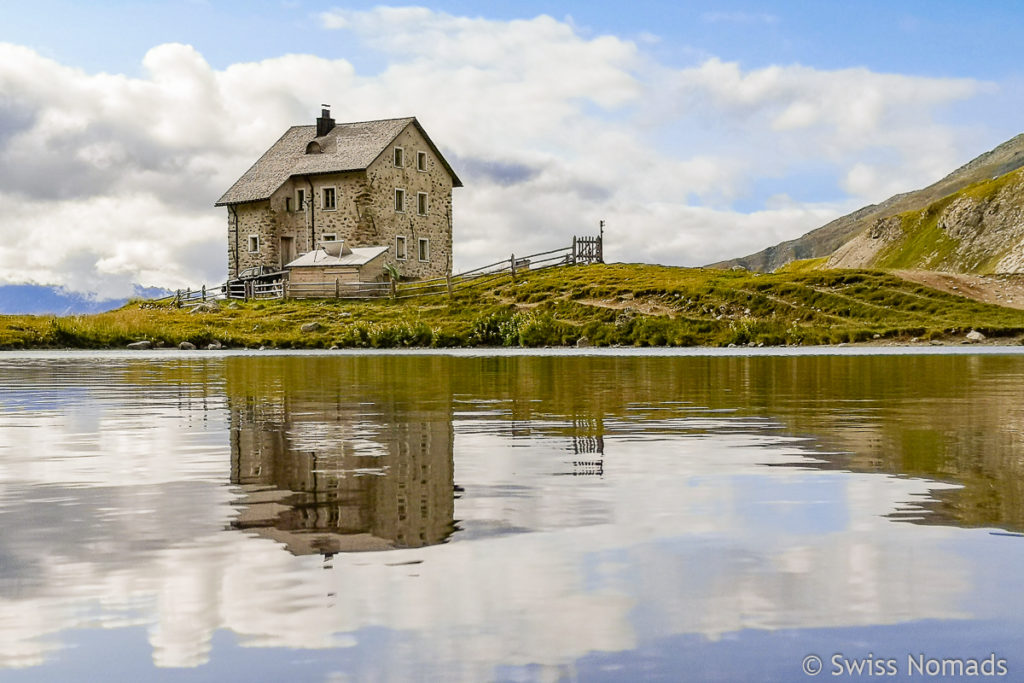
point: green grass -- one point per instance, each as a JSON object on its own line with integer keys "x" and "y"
{"x": 985, "y": 189}
{"x": 620, "y": 304}
{"x": 925, "y": 245}
{"x": 806, "y": 265}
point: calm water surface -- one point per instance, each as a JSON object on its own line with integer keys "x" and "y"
{"x": 434, "y": 517}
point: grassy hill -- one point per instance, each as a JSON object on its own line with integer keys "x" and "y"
{"x": 823, "y": 241}
{"x": 621, "y": 304}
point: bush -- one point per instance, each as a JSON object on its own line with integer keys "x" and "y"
{"x": 490, "y": 329}
{"x": 541, "y": 330}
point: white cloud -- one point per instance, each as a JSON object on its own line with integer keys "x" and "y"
{"x": 112, "y": 178}
{"x": 107, "y": 243}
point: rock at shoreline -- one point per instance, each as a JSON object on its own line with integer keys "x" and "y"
{"x": 582, "y": 343}
{"x": 141, "y": 345}
{"x": 974, "y": 337}
{"x": 311, "y": 327}
{"x": 214, "y": 346}
{"x": 187, "y": 346}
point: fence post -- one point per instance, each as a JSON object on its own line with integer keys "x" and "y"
{"x": 448, "y": 281}
{"x": 284, "y": 290}
{"x": 574, "y": 250}
{"x": 177, "y": 298}
{"x": 512, "y": 264}
{"x": 394, "y": 289}
{"x": 204, "y": 292}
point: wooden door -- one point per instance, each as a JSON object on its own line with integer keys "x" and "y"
{"x": 287, "y": 250}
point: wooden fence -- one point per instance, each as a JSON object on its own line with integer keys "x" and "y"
{"x": 184, "y": 297}
{"x": 484, "y": 274}
{"x": 583, "y": 250}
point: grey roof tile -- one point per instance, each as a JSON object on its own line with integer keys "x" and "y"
{"x": 347, "y": 147}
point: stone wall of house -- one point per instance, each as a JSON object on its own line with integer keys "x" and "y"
{"x": 254, "y": 219}
{"x": 309, "y": 224}
{"x": 384, "y": 177}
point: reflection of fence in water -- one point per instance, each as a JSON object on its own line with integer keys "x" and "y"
{"x": 588, "y": 447}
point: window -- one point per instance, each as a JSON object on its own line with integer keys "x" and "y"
{"x": 254, "y": 244}
{"x": 400, "y": 248}
{"x": 424, "y": 249}
{"x": 421, "y": 203}
{"x": 329, "y": 237}
{"x": 399, "y": 157}
{"x": 399, "y": 200}
{"x": 330, "y": 199}
{"x": 421, "y": 161}
{"x": 288, "y": 204}
{"x": 300, "y": 200}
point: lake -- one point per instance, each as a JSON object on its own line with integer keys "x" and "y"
{"x": 604, "y": 516}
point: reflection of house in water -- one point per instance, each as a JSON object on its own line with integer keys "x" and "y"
{"x": 324, "y": 476}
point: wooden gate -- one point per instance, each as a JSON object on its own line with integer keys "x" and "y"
{"x": 588, "y": 249}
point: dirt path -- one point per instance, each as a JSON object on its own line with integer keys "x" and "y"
{"x": 640, "y": 305}
{"x": 1003, "y": 290}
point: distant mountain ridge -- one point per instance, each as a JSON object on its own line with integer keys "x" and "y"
{"x": 824, "y": 241}
{"x": 47, "y": 299}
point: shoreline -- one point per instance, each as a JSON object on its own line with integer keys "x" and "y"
{"x": 987, "y": 347}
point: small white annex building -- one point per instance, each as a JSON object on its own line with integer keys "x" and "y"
{"x": 335, "y": 262}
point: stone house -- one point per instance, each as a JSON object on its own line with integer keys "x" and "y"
{"x": 369, "y": 184}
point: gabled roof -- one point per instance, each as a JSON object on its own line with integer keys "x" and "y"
{"x": 356, "y": 256}
{"x": 346, "y": 147}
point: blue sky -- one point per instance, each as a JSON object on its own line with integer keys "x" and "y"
{"x": 933, "y": 38}
{"x": 699, "y": 131}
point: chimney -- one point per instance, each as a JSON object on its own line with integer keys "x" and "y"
{"x": 325, "y": 123}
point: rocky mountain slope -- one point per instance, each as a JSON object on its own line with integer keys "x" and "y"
{"x": 825, "y": 240}
{"x": 979, "y": 229}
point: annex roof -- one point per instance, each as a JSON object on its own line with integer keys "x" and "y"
{"x": 356, "y": 256}
{"x": 346, "y": 147}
